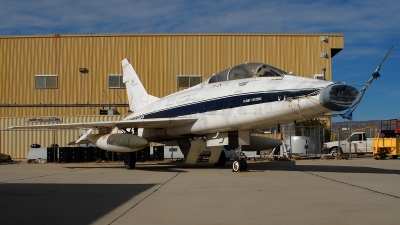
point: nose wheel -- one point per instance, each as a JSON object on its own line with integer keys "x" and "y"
{"x": 239, "y": 165}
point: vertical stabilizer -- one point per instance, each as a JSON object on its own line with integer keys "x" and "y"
{"x": 137, "y": 94}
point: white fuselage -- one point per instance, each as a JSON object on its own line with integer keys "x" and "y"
{"x": 243, "y": 104}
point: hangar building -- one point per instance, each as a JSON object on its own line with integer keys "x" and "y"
{"x": 77, "y": 78}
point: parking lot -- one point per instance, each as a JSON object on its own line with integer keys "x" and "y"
{"x": 357, "y": 191}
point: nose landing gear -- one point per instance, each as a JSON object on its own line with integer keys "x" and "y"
{"x": 239, "y": 164}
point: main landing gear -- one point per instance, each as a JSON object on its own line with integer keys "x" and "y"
{"x": 239, "y": 164}
{"x": 130, "y": 160}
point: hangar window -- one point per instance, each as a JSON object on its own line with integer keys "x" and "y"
{"x": 186, "y": 81}
{"x": 46, "y": 81}
{"x": 115, "y": 81}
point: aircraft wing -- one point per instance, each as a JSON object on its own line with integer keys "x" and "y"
{"x": 142, "y": 123}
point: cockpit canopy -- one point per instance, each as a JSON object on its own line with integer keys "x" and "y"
{"x": 247, "y": 70}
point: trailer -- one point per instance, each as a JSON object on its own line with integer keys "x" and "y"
{"x": 386, "y": 146}
{"x": 387, "y": 142}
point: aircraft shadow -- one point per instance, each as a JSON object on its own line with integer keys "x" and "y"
{"x": 159, "y": 167}
{"x": 63, "y": 203}
{"x": 271, "y": 166}
{"x": 156, "y": 166}
{"x": 252, "y": 166}
{"x": 291, "y": 166}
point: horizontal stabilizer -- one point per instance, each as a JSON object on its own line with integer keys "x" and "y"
{"x": 84, "y": 135}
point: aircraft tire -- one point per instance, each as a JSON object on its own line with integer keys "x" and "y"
{"x": 236, "y": 166}
{"x": 130, "y": 160}
{"x": 221, "y": 160}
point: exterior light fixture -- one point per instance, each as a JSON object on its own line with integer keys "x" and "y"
{"x": 83, "y": 70}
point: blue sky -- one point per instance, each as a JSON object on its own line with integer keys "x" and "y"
{"x": 370, "y": 28}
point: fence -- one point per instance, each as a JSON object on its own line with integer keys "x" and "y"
{"x": 343, "y": 132}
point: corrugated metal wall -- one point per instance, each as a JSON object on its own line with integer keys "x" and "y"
{"x": 157, "y": 58}
{"x": 16, "y": 142}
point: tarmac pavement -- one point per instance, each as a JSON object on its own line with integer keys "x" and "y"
{"x": 357, "y": 191}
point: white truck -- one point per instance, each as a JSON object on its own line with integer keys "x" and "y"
{"x": 358, "y": 141}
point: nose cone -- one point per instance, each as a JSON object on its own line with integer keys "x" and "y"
{"x": 338, "y": 97}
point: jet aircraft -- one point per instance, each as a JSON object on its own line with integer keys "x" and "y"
{"x": 224, "y": 110}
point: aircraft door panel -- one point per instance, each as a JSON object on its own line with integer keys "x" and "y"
{"x": 236, "y": 90}
{"x": 233, "y": 120}
{"x": 295, "y": 105}
{"x": 199, "y": 95}
{"x": 261, "y": 111}
{"x": 200, "y": 125}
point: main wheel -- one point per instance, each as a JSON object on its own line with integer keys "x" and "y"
{"x": 236, "y": 165}
{"x": 130, "y": 160}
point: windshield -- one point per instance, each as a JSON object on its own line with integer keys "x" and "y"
{"x": 247, "y": 70}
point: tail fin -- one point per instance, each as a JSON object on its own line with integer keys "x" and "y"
{"x": 137, "y": 94}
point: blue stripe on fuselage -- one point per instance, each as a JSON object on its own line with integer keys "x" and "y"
{"x": 227, "y": 102}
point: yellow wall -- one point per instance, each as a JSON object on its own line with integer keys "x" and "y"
{"x": 157, "y": 58}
